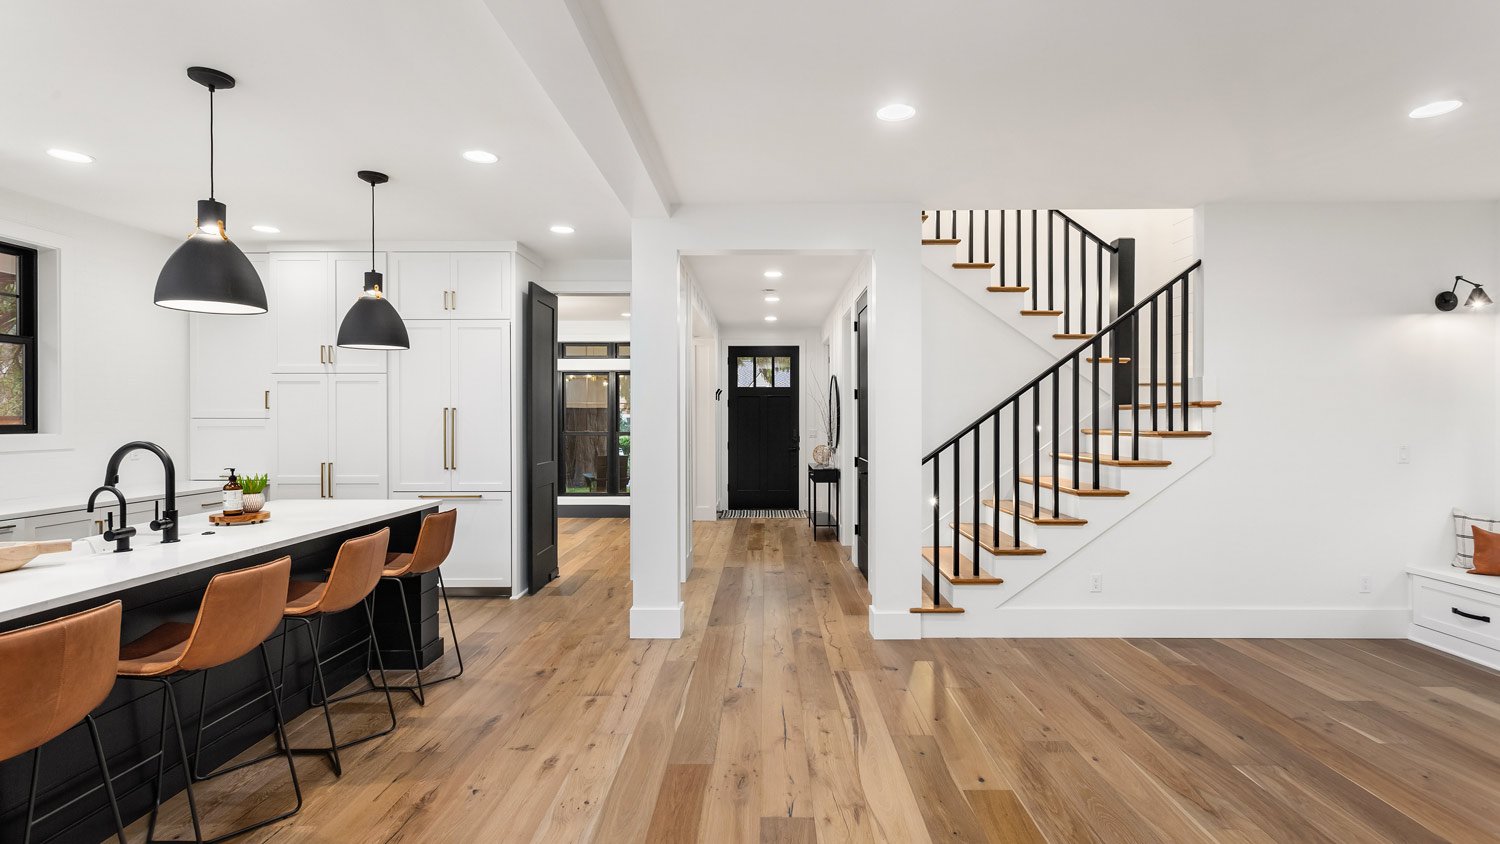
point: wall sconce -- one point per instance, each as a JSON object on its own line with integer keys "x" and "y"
{"x": 1448, "y": 299}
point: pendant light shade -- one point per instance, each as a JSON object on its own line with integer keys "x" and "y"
{"x": 208, "y": 273}
{"x": 372, "y": 322}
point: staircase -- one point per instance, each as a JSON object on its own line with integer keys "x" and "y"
{"x": 1119, "y": 417}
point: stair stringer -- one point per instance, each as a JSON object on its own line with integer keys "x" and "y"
{"x": 984, "y": 613}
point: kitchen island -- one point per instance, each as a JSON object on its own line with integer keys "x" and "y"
{"x": 159, "y": 582}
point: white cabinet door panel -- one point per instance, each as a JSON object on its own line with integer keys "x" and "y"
{"x": 420, "y": 392}
{"x": 300, "y": 410}
{"x": 349, "y": 270}
{"x": 230, "y": 360}
{"x": 481, "y": 554}
{"x": 421, "y": 281}
{"x": 482, "y": 284}
{"x": 480, "y": 420}
{"x": 216, "y": 444}
{"x": 358, "y": 455}
{"x": 301, "y": 300}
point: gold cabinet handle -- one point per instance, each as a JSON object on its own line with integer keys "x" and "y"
{"x": 453, "y": 449}
{"x": 321, "y": 467}
{"x": 445, "y": 438}
{"x": 209, "y": 504}
{"x": 322, "y": 358}
{"x": 453, "y": 294}
{"x": 98, "y": 525}
{"x": 268, "y": 399}
{"x": 330, "y": 479}
{"x": 447, "y": 495}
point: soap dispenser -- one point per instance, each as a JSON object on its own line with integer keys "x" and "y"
{"x": 234, "y": 496}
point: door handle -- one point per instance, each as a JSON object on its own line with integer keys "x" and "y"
{"x": 445, "y": 439}
{"x": 330, "y": 479}
{"x": 268, "y": 399}
{"x": 321, "y": 468}
{"x": 453, "y": 439}
{"x": 453, "y": 297}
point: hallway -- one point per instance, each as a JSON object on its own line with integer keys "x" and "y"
{"x": 777, "y": 718}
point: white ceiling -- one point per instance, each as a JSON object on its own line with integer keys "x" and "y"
{"x": 592, "y": 308}
{"x": 325, "y": 88}
{"x": 1068, "y": 103}
{"x": 735, "y": 287}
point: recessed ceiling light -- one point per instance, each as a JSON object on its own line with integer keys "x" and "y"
{"x": 773, "y": 273}
{"x": 479, "y": 156}
{"x": 265, "y": 229}
{"x": 773, "y": 298}
{"x": 69, "y": 155}
{"x": 770, "y": 319}
{"x": 1435, "y": 109}
{"x": 625, "y": 313}
{"x": 562, "y": 229}
{"x": 896, "y": 112}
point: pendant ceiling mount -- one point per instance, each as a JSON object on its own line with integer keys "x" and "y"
{"x": 373, "y": 177}
{"x": 208, "y": 273}
{"x": 372, "y": 322}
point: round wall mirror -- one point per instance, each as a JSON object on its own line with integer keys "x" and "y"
{"x": 835, "y": 413}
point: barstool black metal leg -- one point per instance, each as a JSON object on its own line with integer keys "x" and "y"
{"x": 169, "y": 704}
{"x": 320, "y": 688}
{"x": 418, "y": 691}
{"x": 457, "y": 651}
{"x": 390, "y": 705}
{"x": 109, "y": 786}
{"x": 36, "y": 776}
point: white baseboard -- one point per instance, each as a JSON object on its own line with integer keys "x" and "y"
{"x": 1172, "y": 622}
{"x": 657, "y": 622}
{"x": 704, "y": 513}
{"x": 895, "y": 624}
{"x": 1461, "y": 648}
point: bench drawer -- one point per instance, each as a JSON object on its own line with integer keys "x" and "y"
{"x": 1470, "y": 614}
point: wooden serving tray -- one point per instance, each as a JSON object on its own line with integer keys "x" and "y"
{"x": 13, "y": 555}
{"x": 243, "y": 519}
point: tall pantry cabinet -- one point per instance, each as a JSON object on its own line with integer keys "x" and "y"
{"x": 274, "y": 393}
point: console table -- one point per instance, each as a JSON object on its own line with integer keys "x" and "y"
{"x": 828, "y": 476}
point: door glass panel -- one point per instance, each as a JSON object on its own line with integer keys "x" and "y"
{"x": 744, "y": 372}
{"x": 763, "y": 372}
{"x": 624, "y": 390}
{"x": 623, "y": 451}
{"x": 586, "y": 463}
{"x": 10, "y": 267}
{"x": 783, "y": 372}
{"x": 12, "y": 384}
{"x": 10, "y": 313}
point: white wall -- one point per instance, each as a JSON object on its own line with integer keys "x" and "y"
{"x": 123, "y": 360}
{"x": 1329, "y": 355}
{"x": 838, "y": 332}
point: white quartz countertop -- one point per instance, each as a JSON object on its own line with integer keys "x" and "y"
{"x": 92, "y": 569}
{"x": 22, "y": 508}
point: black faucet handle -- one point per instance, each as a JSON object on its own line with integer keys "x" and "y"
{"x": 156, "y": 510}
{"x": 109, "y": 520}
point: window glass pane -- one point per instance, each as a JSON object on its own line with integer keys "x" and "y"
{"x": 10, "y": 314}
{"x": 586, "y": 463}
{"x": 784, "y": 372}
{"x": 622, "y": 350}
{"x": 10, "y": 265}
{"x": 586, "y": 401}
{"x": 624, "y": 391}
{"x": 624, "y": 464}
{"x": 12, "y": 384}
{"x": 763, "y": 372}
{"x": 744, "y": 375}
{"x": 585, "y": 350}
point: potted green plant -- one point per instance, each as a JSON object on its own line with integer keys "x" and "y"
{"x": 254, "y": 487}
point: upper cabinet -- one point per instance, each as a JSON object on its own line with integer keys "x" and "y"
{"x": 452, "y": 285}
{"x": 309, "y": 294}
{"x": 231, "y": 361}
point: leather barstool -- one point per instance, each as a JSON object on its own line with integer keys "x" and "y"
{"x": 239, "y": 610}
{"x": 58, "y": 672}
{"x": 434, "y": 542}
{"x": 356, "y": 572}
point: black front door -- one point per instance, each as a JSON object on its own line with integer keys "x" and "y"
{"x": 763, "y": 443}
{"x": 862, "y": 427}
{"x": 541, "y": 436}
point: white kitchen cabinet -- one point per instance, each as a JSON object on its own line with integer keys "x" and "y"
{"x": 481, "y": 554}
{"x": 231, "y": 360}
{"x": 217, "y": 444}
{"x": 452, "y": 285}
{"x": 76, "y": 524}
{"x": 348, "y": 278}
{"x": 450, "y": 408}
{"x": 329, "y": 439}
{"x": 309, "y": 294}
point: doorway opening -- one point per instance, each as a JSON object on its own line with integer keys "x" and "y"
{"x": 764, "y": 441}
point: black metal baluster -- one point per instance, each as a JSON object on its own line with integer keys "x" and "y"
{"x": 1083, "y": 284}
{"x": 1135, "y": 380}
{"x": 1017, "y": 281}
{"x": 1098, "y": 351}
{"x": 1154, "y": 367}
{"x": 1171, "y": 425}
{"x": 937, "y": 511}
{"x": 971, "y": 236}
{"x": 1099, "y": 280}
{"x": 1067, "y": 281}
{"x": 986, "y": 235}
{"x": 1033, "y": 259}
{"x": 1077, "y": 423}
{"x": 1114, "y": 430}
{"x": 977, "y": 524}
{"x": 994, "y": 483}
{"x": 1187, "y": 349}
{"x": 1056, "y": 435}
{"x": 957, "y": 500}
{"x": 1015, "y": 475}
{"x": 1000, "y": 276}
{"x": 1036, "y": 450}
{"x": 1051, "y": 258}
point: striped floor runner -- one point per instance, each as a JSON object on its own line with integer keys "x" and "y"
{"x": 763, "y": 514}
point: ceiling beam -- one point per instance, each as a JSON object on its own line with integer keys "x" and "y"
{"x": 570, "y": 49}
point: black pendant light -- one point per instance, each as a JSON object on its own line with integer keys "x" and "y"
{"x": 372, "y": 322}
{"x": 208, "y": 273}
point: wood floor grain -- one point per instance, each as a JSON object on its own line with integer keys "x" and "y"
{"x": 776, "y": 718}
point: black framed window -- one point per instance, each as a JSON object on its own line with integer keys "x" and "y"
{"x": 593, "y": 351}
{"x": 595, "y": 433}
{"x": 18, "y": 360}
{"x": 622, "y": 350}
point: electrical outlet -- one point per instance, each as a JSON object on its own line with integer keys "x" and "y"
{"x": 1096, "y": 582}
{"x": 1366, "y": 584}
{"x": 1403, "y": 454}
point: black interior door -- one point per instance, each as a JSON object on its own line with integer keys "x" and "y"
{"x": 763, "y": 442}
{"x": 862, "y": 426}
{"x": 541, "y": 436}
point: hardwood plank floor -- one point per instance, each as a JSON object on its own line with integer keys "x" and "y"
{"x": 777, "y": 719}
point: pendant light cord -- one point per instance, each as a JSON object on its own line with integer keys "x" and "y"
{"x": 372, "y": 227}
{"x": 210, "y": 142}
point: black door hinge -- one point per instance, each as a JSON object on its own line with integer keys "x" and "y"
{"x": 856, "y": 326}
{"x": 856, "y": 530}
{"x": 856, "y": 394}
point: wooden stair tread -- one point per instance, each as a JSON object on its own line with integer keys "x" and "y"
{"x": 1110, "y": 360}
{"x": 1145, "y": 405}
{"x": 1035, "y": 515}
{"x": 1111, "y": 461}
{"x": 997, "y": 542}
{"x": 1061, "y": 336}
{"x": 972, "y": 265}
{"x": 940, "y": 241}
{"x": 1045, "y": 482}
{"x": 945, "y": 568}
{"x": 1104, "y": 432}
{"x": 928, "y": 604}
{"x": 1002, "y": 288}
{"x": 1041, "y": 313}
